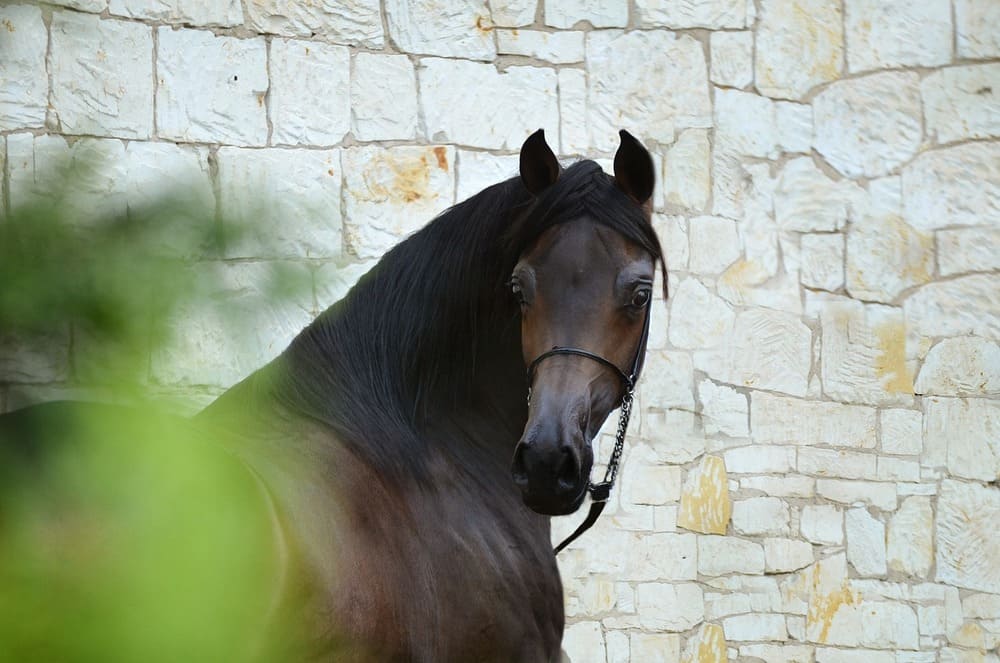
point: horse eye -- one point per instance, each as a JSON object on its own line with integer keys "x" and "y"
{"x": 640, "y": 298}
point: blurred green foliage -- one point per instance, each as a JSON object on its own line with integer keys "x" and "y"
{"x": 125, "y": 534}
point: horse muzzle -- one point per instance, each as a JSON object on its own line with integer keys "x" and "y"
{"x": 553, "y": 476}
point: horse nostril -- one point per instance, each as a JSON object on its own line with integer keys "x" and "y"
{"x": 568, "y": 474}
{"x": 518, "y": 470}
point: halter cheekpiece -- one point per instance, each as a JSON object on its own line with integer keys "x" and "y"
{"x": 601, "y": 492}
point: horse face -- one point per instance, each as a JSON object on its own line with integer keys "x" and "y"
{"x": 581, "y": 285}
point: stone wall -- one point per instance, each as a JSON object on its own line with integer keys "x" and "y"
{"x": 813, "y": 472}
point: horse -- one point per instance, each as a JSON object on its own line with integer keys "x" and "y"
{"x": 416, "y": 438}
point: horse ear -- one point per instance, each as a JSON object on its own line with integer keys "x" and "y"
{"x": 539, "y": 166}
{"x": 634, "y": 172}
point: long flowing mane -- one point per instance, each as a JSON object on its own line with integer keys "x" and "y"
{"x": 425, "y": 349}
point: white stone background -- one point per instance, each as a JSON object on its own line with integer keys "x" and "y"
{"x": 813, "y": 472}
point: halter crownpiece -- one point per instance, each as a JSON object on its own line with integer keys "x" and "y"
{"x": 601, "y": 492}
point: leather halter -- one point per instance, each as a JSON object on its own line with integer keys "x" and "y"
{"x": 601, "y": 492}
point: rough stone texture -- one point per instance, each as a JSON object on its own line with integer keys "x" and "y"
{"x": 962, "y": 433}
{"x": 881, "y": 495}
{"x": 865, "y": 543}
{"x": 705, "y": 505}
{"x": 428, "y": 27}
{"x": 722, "y": 555}
{"x": 567, "y": 13}
{"x": 732, "y": 58}
{"x": 180, "y": 172}
{"x": 964, "y": 366}
{"x": 785, "y": 555}
{"x": 500, "y": 114}
{"x": 760, "y": 515}
{"x": 573, "y": 138}
{"x": 822, "y": 524}
{"x": 686, "y": 182}
{"x": 806, "y": 200}
{"x": 901, "y": 431}
{"x": 962, "y": 102}
{"x": 968, "y": 541}
{"x": 666, "y": 607}
{"x": 712, "y": 14}
{"x": 781, "y": 420}
{"x": 583, "y": 642}
{"x": 309, "y": 102}
{"x": 869, "y": 126}
{"x": 383, "y": 103}
{"x": 759, "y": 459}
{"x": 664, "y": 76}
{"x": 714, "y": 244}
{"x": 358, "y": 22}
{"x": 746, "y": 123}
{"x": 478, "y": 170}
{"x": 755, "y": 627}
{"x": 953, "y": 186}
{"x": 799, "y": 46}
{"x": 909, "y": 548}
{"x": 864, "y": 354}
{"x": 102, "y": 76}
{"x": 822, "y": 261}
{"x": 931, "y": 310}
{"x": 698, "y": 317}
{"x": 895, "y": 33}
{"x": 391, "y": 192}
{"x": 707, "y": 646}
{"x": 513, "y": 13}
{"x": 211, "y": 89}
{"x": 23, "y": 82}
{"x": 555, "y": 47}
{"x": 977, "y": 28}
{"x": 222, "y": 13}
{"x": 725, "y": 410}
{"x": 295, "y": 206}
{"x": 968, "y": 250}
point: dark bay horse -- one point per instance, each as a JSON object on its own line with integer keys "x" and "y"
{"x": 411, "y": 480}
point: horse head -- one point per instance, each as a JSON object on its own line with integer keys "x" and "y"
{"x": 584, "y": 290}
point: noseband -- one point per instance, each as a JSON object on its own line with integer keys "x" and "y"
{"x": 601, "y": 492}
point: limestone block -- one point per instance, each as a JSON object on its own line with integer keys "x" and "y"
{"x": 799, "y": 46}
{"x": 669, "y": 607}
{"x": 724, "y": 410}
{"x": 832, "y": 607}
{"x": 760, "y": 459}
{"x": 898, "y": 469}
{"x": 964, "y": 431}
{"x": 460, "y": 29}
{"x": 358, "y": 22}
{"x": 780, "y": 653}
{"x": 556, "y": 47}
{"x": 513, "y": 13}
{"x": 795, "y": 126}
{"x": 478, "y": 170}
{"x": 743, "y": 593}
{"x": 785, "y": 555}
{"x": 36, "y": 359}
{"x": 686, "y": 169}
{"x": 567, "y": 13}
{"x": 786, "y": 486}
{"x": 664, "y": 77}
{"x": 824, "y": 655}
{"x": 822, "y": 261}
{"x": 391, "y": 192}
{"x": 953, "y": 186}
{"x": 963, "y": 366}
{"x": 673, "y": 434}
{"x": 646, "y": 483}
{"x": 896, "y": 33}
{"x": 968, "y": 540}
{"x": 865, "y": 543}
{"x": 806, "y": 200}
{"x": 660, "y": 556}
{"x": 284, "y": 203}
{"x": 211, "y": 89}
{"x": 968, "y": 250}
{"x": 869, "y": 126}
{"x": 573, "y": 137}
{"x": 226, "y": 13}
{"x": 977, "y": 28}
{"x": 673, "y": 234}
{"x": 383, "y": 97}
{"x": 853, "y": 491}
{"x": 839, "y": 463}
{"x": 666, "y": 379}
{"x": 901, "y": 431}
{"x": 24, "y": 84}
{"x": 885, "y": 255}
{"x": 768, "y": 350}
{"x": 822, "y": 524}
{"x": 310, "y": 92}
{"x": 699, "y": 319}
{"x": 864, "y": 354}
{"x": 732, "y": 58}
{"x": 473, "y": 104}
{"x": 755, "y": 627}
{"x": 721, "y": 555}
{"x": 583, "y": 642}
{"x": 617, "y": 646}
{"x": 166, "y": 172}
{"x": 102, "y": 76}
{"x": 712, "y": 14}
{"x": 761, "y": 515}
{"x": 333, "y": 280}
{"x": 705, "y": 505}
{"x": 708, "y": 645}
{"x": 746, "y": 123}
{"x": 222, "y": 339}
{"x": 909, "y": 549}
{"x": 962, "y": 102}
{"x": 92, "y": 6}
{"x": 781, "y": 420}
{"x": 965, "y": 305}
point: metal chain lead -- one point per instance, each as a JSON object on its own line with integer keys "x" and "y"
{"x": 612, "y": 472}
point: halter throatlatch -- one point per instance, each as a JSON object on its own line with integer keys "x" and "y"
{"x": 601, "y": 492}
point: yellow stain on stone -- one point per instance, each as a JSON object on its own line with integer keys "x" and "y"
{"x": 823, "y": 605}
{"x": 705, "y": 505}
{"x": 890, "y": 363}
{"x": 709, "y": 646}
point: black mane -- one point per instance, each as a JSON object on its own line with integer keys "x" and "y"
{"x": 426, "y": 346}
